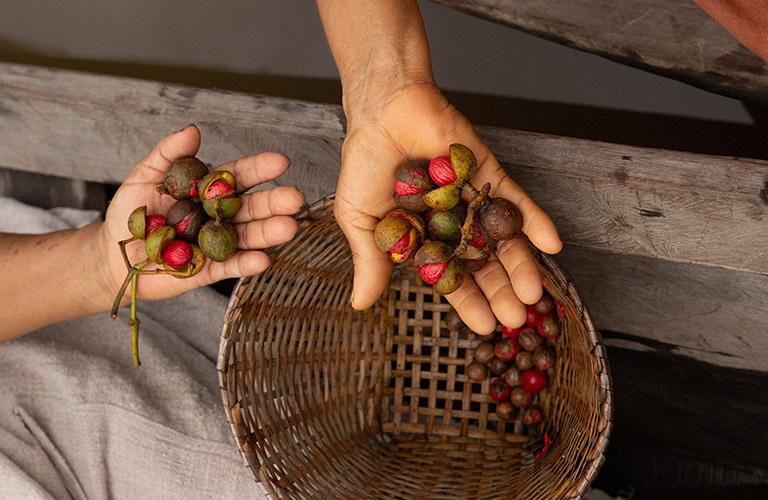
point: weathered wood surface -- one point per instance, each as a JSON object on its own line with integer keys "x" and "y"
{"x": 674, "y": 38}
{"x": 666, "y": 246}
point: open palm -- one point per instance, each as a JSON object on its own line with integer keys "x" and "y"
{"x": 263, "y": 220}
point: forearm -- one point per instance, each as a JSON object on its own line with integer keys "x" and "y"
{"x": 379, "y": 47}
{"x": 49, "y": 278}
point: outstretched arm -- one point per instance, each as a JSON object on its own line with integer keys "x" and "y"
{"x": 70, "y": 274}
{"x": 396, "y": 112}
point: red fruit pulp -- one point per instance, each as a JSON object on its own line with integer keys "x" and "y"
{"x": 182, "y": 225}
{"x": 533, "y": 381}
{"x": 152, "y": 223}
{"x": 431, "y": 273}
{"x": 441, "y": 171}
{"x": 512, "y": 333}
{"x": 533, "y": 317}
{"x": 476, "y": 238}
{"x": 220, "y": 188}
{"x": 507, "y": 349}
{"x": 178, "y": 254}
{"x": 402, "y": 245}
{"x": 499, "y": 390}
{"x": 403, "y": 189}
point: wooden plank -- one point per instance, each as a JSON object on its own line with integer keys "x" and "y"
{"x": 703, "y": 312}
{"x": 655, "y": 238}
{"x": 669, "y": 205}
{"x": 673, "y": 38}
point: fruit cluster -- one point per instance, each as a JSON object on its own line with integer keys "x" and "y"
{"x": 520, "y": 360}
{"x": 194, "y": 229}
{"x": 443, "y": 223}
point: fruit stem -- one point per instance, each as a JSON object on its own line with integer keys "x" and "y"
{"x": 124, "y": 253}
{"x": 134, "y": 322}
{"x": 132, "y": 270}
{"x": 476, "y": 200}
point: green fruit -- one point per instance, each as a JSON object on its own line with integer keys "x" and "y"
{"x": 463, "y": 162}
{"x": 445, "y": 225}
{"x": 156, "y": 241}
{"x": 217, "y": 240}
{"x": 443, "y": 197}
{"x": 137, "y": 222}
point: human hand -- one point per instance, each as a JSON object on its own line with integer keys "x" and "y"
{"x": 263, "y": 220}
{"x": 417, "y": 122}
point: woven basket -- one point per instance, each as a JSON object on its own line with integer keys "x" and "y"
{"x": 327, "y": 402}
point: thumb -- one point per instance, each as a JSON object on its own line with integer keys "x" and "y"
{"x": 373, "y": 267}
{"x": 183, "y": 143}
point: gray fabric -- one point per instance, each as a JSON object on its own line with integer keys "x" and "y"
{"x": 77, "y": 421}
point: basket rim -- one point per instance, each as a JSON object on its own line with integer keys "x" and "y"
{"x": 595, "y": 462}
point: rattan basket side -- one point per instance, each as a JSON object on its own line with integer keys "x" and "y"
{"x": 328, "y": 402}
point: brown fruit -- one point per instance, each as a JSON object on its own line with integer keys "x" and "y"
{"x": 545, "y": 304}
{"x": 512, "y": 376}
{"x": 520, "y": 397}
{"x": 549, "y": 326}
{"x": 186, "y": 217}
{"x": 506, "y": 349}
{"x": 532, "y": 416}
{"x": 506, "y": 411}
{"x": 501, "y": 219}
{"x": 476, "y": 371}
{"x": 524, "y": 360}
{"x": 544, "y": 357}
{"x": 483, "y": 352}
{"x": 453, "y": 321}
{"x": 497, "y": 366}
{"x": 529, "y": 339}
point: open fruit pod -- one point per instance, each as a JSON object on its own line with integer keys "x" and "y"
{"x": 328, "y": 402}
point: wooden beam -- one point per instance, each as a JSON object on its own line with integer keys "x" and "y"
{"x": 670, "y": 37}
{"x": 667, "y": 246}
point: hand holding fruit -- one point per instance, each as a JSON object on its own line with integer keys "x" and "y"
{"x": 249, "y": 221}
{"x": 415, "y": 124}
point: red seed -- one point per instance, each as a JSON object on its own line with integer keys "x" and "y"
{"x": 476, "y": 238}
{"x": 532, "y": 317}
{"x": 431, "y": 273}
{"x": 153, "y": 223}
{"x": 178, "y": 254}
{"x": 499, "y": 390}
{"x": 506, "y": 349}
{"x": 217, "y": 188}
{"x": 441, "y": 171}
{"x": 402, "y": 244}
{"x": 512, "y": 333}
{"x": 403, "y": 189}
{"x": 182, "y": 225}
{"x": 533, "y": 381}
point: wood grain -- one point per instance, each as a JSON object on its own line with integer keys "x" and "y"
{"x": 667, "y": 246}
{"x": 673, "y": 38}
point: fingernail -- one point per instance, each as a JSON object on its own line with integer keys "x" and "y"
{"x": 186, "y": 127}
{"x": 352, "y": 296}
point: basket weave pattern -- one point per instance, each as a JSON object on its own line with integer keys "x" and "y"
{"x": 328, "y": 402}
